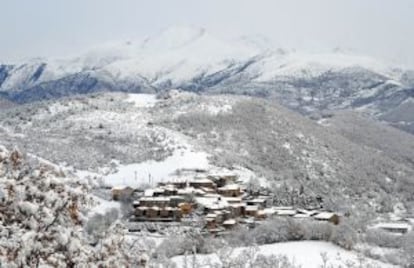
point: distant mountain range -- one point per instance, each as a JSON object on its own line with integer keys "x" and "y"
{"x": 193, "y": 60}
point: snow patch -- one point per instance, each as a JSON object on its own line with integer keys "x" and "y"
{"x": 142, "y": 100}
{"x": 153, "y": 172}
{"x": 104, "y": 206}
{"x": 304, "y": 253}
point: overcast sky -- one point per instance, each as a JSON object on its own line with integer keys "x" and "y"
{"x": 382, "y": 28}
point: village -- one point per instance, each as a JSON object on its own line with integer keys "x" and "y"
{"x": 214, "y": 202}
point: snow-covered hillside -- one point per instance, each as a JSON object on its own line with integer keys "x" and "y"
{"x": 134, "y": 139}
{"x": 113, "y": 139}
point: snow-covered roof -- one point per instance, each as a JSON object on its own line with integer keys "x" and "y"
{"x": 256, "y": 200}
{"x": 230, "y": 187}
{"x": 149, "y": 192}
{"x": 269, "y": 211}
{"x": 190, "y": 190}
{"x": 158, "y": 190}
{"x": 206, "y": 189}
{"x": 283, "y": 208}
{"x": 393, "y": 226}
{"x": 232, "y": 199}
{"x": 237, "y": 205}
{"x": 210, "y": 195}
{"x": 221, "y": 174}
{"x": 308, "y": 212}
{"x": 301, "y": 215}
{"x": 212, "y": 202}
{"x": 252, "y": 208}
{"x": 229, "y": 222}
{"x": 169, "y": 187}
{"x": 324, "y": 215}
{"x": 155, "y": 198}
{"x": 216, "y": 206}
{"x": 179, "y": 180}
{"x": 201, "y": 180}
{"x": 121, "y": 187}
{"x": 286, "y": 212}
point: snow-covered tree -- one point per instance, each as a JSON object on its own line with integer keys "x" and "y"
{"x": 41, "y": 220}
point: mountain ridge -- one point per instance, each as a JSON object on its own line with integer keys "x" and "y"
{"x": 194, "y": 60}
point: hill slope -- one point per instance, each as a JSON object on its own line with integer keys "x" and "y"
{"x": 269, "y": 140}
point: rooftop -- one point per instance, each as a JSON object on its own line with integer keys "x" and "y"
{"x": 256, "y": 200}
{"x": 393, "y": 225}
{"x": 252, "y": 208}
{"x": 149, "y": 192}
{"x": 121, "y": 187}
{"x": 229, "y": 222}
{"x": 211, "y": 215}
{"x": 230, "y": 187}
{"x": 324, "y": 215}
{"x": 155, "y": 198}
{"x": 201, "y": 180}
{"x": 286, "y": 212}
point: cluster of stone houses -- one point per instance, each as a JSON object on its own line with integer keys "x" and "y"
{"x": 220, "y": 202}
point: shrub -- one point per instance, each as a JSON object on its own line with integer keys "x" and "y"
{"x": 181, "y": 245}
{"x": 383, "y": 239}
{"x": 344, "y": 235}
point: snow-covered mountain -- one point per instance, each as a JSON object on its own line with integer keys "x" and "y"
{"x": 194, "y": 60}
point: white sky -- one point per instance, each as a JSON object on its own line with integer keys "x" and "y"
{"x": 382, "y": 28}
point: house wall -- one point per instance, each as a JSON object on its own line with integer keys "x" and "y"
{"x": 118, "y": 194}
{"x": 252, "y": 213}
{"x": 229, "y": 193}
{"x": 198, "y": 185}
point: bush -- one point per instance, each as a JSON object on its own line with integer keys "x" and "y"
{"x": 318, "y": 230}
{"x": 98, "y": 224}
{"x": 284, "y": 229}
{"x": 344, "y": 235}
{"x": 383, "y": 239}
{"x": 189, "y": 244}
{"x": 408, "y": 248}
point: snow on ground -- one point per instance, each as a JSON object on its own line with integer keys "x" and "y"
{"x": 324, "y": 122}
{"x": 156, "y": 171}
{"x": 216, "y": 108}
{"x": 244, "y": 175}
{"x": 84, "y": 174}
{"x": 304, "y": 253}
{"x": 142, "y": 100}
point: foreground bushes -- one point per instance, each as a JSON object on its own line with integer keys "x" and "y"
{"x": 269, "y": 232}
{"x": 288, "y": 229}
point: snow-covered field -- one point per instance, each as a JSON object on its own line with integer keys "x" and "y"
{"x": 142, "y": 100}
{"x": 307, "y": 254}
{"x": 153, "y": 172}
